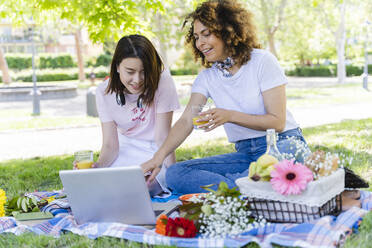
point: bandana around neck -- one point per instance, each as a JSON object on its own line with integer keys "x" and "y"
{"x": 224, "y": 66}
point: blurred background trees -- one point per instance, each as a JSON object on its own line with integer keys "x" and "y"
{"x": 310, "y": 38}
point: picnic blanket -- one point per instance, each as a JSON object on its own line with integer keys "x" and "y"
{"x": 328, "y": 231}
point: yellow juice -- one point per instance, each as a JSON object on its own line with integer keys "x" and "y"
{"x": 85, "y": 164}
{"x": 198, "y": 123}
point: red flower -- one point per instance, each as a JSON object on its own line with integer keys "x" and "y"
{"x": 180, "y": 227}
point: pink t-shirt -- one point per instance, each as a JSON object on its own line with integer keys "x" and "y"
{"x": 132, "y": 121}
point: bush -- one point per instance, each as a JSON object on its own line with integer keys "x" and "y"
{"x": 59, "y": 74}
{"x": 186, "y": 65}
{"x": 352, "y": 70}
{"x": 183, "y": 72}
{"x": 56, "y": 61}
{"x": 103, "y": 60}
{"x": 19, "y": 61}
{"x": 43, "y": 61}
{"x": 312, "y": 71}
{"x": 326, "y": 71}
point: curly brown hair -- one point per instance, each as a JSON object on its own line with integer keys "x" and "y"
{"x": 229, "y": 21}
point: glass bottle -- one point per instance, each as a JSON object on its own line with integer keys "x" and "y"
{"x": 272, "y": 149}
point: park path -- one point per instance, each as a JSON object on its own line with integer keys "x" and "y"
{"x": 38, "y": 143}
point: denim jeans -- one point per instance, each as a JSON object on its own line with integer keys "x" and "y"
{"x": 187, "y": 176}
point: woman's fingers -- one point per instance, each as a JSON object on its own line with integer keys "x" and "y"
{"x": 154, "y": 173}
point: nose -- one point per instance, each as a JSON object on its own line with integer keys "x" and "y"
{"x": 137, "y": 78}
{"x": 199, "y": 43}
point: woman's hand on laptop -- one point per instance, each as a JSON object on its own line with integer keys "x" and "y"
{"x": 151, "y": 169}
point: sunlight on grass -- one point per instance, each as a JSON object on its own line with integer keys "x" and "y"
{"x": 352, "y": 93}
{"x": 352, "y": 138}
{"x": 40, "y": 122}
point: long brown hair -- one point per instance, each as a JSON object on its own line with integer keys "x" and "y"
{"x": 136, "y": 46}
{"x": 229, "y": 21}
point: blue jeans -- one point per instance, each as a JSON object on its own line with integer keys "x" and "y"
{"x": 187, "y": 176}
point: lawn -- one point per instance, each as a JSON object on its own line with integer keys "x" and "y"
{"x": 353, "y": 138}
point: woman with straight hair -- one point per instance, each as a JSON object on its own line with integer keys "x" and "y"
{"x": 135, "y": 106}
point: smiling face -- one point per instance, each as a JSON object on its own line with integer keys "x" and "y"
{"x": 209, "y": 44}
{"x": 132, "y": 74}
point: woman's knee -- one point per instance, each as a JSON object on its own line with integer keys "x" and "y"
{"x": 173, "y": 174}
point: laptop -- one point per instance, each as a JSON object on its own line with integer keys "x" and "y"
{"x": 117, "y": 194}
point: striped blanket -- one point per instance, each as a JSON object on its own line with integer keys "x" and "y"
{"x": 328, "y": 231}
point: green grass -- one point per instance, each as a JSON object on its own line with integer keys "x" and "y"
{"x": 22, "y": 119}
{"x": 338, "y": 94}
{"x": 353, "y": 138}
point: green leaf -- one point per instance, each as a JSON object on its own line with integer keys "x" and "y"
{"x": 24, "y": 204}
{"x": 208, "y": 187}
{"x": 34, "y": 201}
{"x": 19, "y": 200}
{"x": 35, "y": 209}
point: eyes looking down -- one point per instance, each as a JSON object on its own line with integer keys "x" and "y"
{"x": 132, "y": 74}
{"x": 212, "y": 47}
{"x": 131, "y": 70}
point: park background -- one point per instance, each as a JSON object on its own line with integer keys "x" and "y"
{"x": 323, "y": 46}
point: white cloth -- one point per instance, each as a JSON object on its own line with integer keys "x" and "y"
{"x": 243, "y": 91}
{"x": 134, "y": 152}
{"x": 316, "y": 194}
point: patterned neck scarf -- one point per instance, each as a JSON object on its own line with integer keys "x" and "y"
{"x": 224, "y": 66}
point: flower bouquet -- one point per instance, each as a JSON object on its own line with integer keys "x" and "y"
{"x": 287, "y": 191}
{"x": 215, "y": 214}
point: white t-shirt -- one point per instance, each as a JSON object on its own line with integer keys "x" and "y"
{"x": 243, "y": 91}
{"x": 132, "y": 121}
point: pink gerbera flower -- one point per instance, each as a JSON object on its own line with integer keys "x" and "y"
{"x": 289, "y": 178}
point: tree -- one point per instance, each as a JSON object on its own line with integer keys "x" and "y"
{"x": 4, "y": 68}
{"x": 334, "y": 20}
{"x": 102, "y": 18}
{"x": 272, "y": 13}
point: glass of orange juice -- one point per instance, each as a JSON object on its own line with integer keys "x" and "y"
{"x": 196, "y": 109}
{"x": 84, "y": 159}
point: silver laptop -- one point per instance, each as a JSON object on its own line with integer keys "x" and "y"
{"x": 117, "y": 194}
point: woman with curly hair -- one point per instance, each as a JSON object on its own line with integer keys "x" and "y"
{"x": 247, "y": 87}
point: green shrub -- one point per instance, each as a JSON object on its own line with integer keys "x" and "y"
{"x": 184, "y": 71}
{"x": 59, "y": 74}
{"x": 19, "y": 61}
{"x": 326, "y": 71}
{"x": 352, "y": 70}
{"x": 312, "y": 71}
{"x": 103, "y": 60}
{"x": 56, "y": 61}
{"x": 186, "y": 65}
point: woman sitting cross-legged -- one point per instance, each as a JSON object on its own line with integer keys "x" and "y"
{"x": 246, "y": 84}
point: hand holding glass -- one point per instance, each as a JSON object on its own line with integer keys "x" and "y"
{"x": 196, "y": 110}
{"x": 84, "y": 159}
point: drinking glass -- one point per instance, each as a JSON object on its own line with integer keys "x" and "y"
{"x": 196, "y": 110}
{"x": 84, "y": 159}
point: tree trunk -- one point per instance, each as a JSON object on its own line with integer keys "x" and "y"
{"x": 340, "y": 43}
{"x": 162, "y": 46}
{"x": 270, "y": 37}
{"x": 341, "y": 68}
{"x": 79, "y": 55}
{"x": 4, "y": 68}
